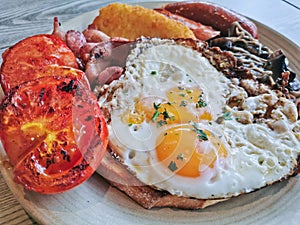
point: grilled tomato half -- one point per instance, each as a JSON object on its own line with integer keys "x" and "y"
{"x": 53, "y": 132}
{"x": 25, "y": 60}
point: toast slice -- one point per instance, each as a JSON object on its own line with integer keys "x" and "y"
{"x": 118, "y": 176}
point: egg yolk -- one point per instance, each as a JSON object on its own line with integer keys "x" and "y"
{"x": 186, "y": 150}
{"x": 181, "y": 105}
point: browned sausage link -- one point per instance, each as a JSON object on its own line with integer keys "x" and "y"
{"x": 213, "y": 15}
{"x": 201, "y": 31}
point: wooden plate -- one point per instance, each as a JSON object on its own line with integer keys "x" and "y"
{"x": 95, "y": 202}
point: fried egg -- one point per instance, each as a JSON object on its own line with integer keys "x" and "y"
{"x": 171, "y": 126}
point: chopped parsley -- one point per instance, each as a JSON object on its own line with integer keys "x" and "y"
{"x": 161, "y": 123}
{"x": 201, "y": 103}
{"x": 166, "y": 114}
{"x": 155, "y": 116}
{"x": 172, "y": 166}
{"x": 156, "y": 113}
{"x": 153, "y": 72}
{"x": 227, "y": 115}
{"x": 183, "y": 103}
{"x": 180, "y": 156}
{"x": 156, "y": 107}
{"x": 200, "y": 133}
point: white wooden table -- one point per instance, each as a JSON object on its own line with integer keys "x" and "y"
{"x": 23, "y": 18}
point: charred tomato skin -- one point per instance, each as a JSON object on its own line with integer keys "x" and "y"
{"x": 53, "y": 132}
{"x": 25, "y": 59}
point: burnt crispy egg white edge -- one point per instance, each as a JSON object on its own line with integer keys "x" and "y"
{"x": 257, "y": 155}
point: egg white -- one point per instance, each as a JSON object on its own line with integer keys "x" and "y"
{"x": 257, "y": 155}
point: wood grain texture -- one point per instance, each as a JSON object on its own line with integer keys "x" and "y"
{"x": 11, "y": 211}
{"x": 23, "y": 18}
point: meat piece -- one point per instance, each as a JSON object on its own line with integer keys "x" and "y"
{"x": 223, "y": 61}
{"x": 106, "y": 54}
{"x": 213, "y": 15}
{"x": 201, "y": 31}
{"x": 57, "y": 31}
{"x": 75, "y": 40}
{"x": 109, "y": 74}
{"x": 85, "y": 52}
{"x": 93, "y": 35}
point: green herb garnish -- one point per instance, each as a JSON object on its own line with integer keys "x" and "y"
{"x": 201, "y": 103}
{"x": 183, "y": 103}
{"x": 201, "y": 134}
{"x": 172, "y": 166}
{"x": 153, "y": 72}
{"x": 166, "y": 114}
{"x": 161, "y": 123}
{"x": 180, "y": 156}
{"x": 227, "y": 116}
{"x": 156, "y": 107}
{"x": 156, "y": 113}
{"x": 155, "y": 116}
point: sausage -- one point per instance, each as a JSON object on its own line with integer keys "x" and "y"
{"x": 201, "y": 31}
{"x": 213, "y": 15}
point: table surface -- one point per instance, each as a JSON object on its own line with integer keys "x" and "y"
{"x": 23, "y": 18}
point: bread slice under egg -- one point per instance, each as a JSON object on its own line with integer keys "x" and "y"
{"x": 145, "y": 195}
